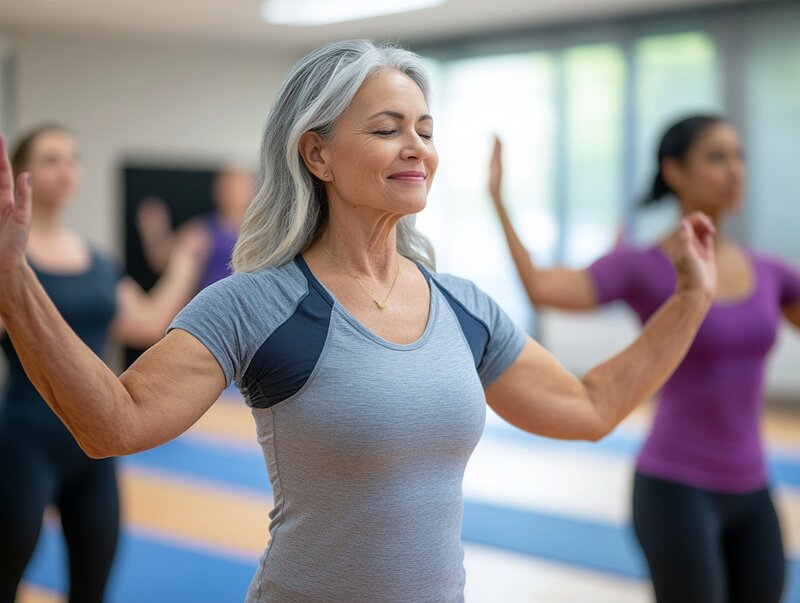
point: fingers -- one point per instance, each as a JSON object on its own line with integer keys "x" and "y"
{"x": 701, "y": 224}
{"x": 24, "y": 194}
{"x": 6, "y": 177}
{"x": 496, "y": 148}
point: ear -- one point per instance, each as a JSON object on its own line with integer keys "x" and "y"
{"x": 674, "y": 174}
{"x": 312, "y": 150}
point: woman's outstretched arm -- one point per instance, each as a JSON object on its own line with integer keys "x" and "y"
{"x": 159, "y": 397}
{"x": 539, "y": 395}
{"x": 556, "y": 287}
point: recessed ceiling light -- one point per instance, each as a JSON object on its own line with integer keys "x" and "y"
{"x": 321, "y": 12}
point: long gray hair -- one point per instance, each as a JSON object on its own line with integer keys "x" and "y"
{"x": 290, "y": 207}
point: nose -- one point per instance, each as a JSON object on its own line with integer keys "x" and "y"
{"x": 415, "y": 147}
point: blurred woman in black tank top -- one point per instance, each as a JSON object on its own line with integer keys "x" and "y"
{"x": 40, "y": 462}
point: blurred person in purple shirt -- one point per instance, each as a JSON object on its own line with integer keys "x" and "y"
{"x": 232, "y": 192}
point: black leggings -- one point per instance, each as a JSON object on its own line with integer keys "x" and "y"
{"x": 40, "y": 466}
{"x": 705, "y": 547}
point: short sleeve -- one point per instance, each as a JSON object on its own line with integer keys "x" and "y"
{"x": 212, "y": 317}
{"x": 494, "y": 339}
{"x": 235, "y": 315}
{"x": 506, "y": 341}
{"x": 788, "y": 283}
{"x": 614, "y": 275}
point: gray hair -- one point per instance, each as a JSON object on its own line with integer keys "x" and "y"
{"x": 290, "y": 206}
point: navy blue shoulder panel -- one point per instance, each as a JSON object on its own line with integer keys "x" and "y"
{"x": 285, "y": 361}
{"x": 476, "y": 331}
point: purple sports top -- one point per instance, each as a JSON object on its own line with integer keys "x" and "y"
{"x": 220, "y": 253}
{"x": 707, "y": 428}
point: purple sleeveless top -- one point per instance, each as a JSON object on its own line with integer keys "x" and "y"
{"x": 220, "y": 252}
{"x": 706, "y": 431}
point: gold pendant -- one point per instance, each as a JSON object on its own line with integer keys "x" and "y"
{"x": 380, "y": 305}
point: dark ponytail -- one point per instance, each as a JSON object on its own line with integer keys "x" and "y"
{"x": 675, "y": 143}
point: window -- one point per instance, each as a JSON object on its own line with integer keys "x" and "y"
{"x": 561, "y": 116}
{"x": 512, "y": 96}
{"x": 594, "y": 80}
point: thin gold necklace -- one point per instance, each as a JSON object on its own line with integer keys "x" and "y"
{"x": 380, "y": 304}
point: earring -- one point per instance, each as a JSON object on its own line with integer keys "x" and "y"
{"x": 327, "y": 174}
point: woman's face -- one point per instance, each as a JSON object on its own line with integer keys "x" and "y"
{"x": 54, "y": 168}
{"x": 233, "y": 190}
{"x": 381, "y": 153}
{"x": 711, "y": 178}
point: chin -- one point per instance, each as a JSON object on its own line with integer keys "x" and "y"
{"x": 62, "y": 202}
{"x": 408, "y": 206}
{"x": 734, "y": 204}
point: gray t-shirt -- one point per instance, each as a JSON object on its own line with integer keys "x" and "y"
{"x": 365, "y": 440}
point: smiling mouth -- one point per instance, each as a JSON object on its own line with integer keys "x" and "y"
{"x": 409, "y": 177}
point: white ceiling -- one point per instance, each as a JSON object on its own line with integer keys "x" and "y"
{"x": 238, "y": 21}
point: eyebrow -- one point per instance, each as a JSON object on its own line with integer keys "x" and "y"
{"x": 397, "y": 115}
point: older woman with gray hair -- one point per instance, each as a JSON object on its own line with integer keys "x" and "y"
{"x": 367, "y": 372}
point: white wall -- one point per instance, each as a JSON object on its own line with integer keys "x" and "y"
{"x": 142, "y": 99}
{"x": 126, "y": 98}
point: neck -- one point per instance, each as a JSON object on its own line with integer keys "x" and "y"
{"x": 45, "y": 221}
{"x": 718, "y": 219}
{"x": 362, "y": 240}
{"x": 231, "y": 219}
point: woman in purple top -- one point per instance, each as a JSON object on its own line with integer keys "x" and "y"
{"x": 701, "y": 505}
{"x": 232, "y": 191}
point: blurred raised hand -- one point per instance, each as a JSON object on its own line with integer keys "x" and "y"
{"x": 691, "y": 249}
{"x": 15, "y": 214}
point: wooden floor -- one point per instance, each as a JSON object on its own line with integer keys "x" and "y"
{"x": 200, "y": 496}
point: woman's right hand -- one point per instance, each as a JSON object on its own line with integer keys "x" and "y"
{"x": 15, "y": 215}
{"x": 153, "y": 218}
{"x": 496, "y": 171}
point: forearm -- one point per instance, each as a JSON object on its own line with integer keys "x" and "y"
{"x": 157, "y": 249}
{"x": 563, "y": 288}
{"x": 616, "y": 386}
{"x": 144, "y": 317}
{"x": 175, "y": 288}
{"x": 78, "y": 386}
{"x": 528, "y": 273}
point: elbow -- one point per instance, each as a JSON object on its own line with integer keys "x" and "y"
{"x": 537, "y": 300}
{"x": 596, "y": 433}
{"x": 95, "y": 451}
{"x": 103, "y": 448}
{"x": 600, "y": 423}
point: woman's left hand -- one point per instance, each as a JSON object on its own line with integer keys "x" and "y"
{"x": 691, "y": 249}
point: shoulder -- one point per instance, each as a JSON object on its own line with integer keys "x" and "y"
{"x": 626, "y": 259}
{"x": 462, "y": 290}
{"x": 776, "y": 267}
{"x": 269, "y": 288}
{"x": 105, "y": 264}
{"x": 651, "y": 253}
{"x": 766, "y": 259}
{"x": 235, "y": 315}
{"x": 468, "y": 301}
